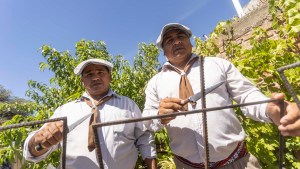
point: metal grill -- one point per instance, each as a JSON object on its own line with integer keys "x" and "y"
{"x": 95, "y": 126}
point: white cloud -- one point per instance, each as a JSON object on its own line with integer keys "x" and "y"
{"x": 194, "y": 8}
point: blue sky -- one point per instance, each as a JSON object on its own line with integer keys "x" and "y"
{"x": 122, "y": 24}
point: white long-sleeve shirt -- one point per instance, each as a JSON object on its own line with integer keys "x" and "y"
{"x": 224, "y": 128}
{"x": 119, "y": 143}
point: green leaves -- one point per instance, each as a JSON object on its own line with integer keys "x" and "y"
{"x": 65, "y": 86}
{"x": 259, "y": 64}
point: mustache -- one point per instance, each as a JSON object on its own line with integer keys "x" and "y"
{"x": 176, "y": 47}
{"x": 96, "y": 82}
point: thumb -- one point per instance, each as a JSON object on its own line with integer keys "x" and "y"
{"x": 273, "y": 108}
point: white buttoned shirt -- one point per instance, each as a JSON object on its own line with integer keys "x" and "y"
{"x": 224, "y": 128}
{"x": 119, "y": 143}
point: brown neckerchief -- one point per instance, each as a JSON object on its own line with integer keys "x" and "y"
{"x": 93, "y": 120}
{"x": 185, "y": 88}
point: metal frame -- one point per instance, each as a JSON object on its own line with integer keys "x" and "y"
{"x": 95, "y": 126}
{"x": 65, "y": 131}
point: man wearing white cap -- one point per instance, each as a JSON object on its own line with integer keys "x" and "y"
{"x": 119, "y": 143}
{"x": 180, "y": 78}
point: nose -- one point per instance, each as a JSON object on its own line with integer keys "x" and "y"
{"x": 177, "y": 41}
{"x": 95, "y": 77}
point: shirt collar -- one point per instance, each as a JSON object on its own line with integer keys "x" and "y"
{"x": 110, "y": 93}
{"x": 167, "y": 64}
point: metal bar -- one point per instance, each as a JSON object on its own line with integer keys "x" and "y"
{"x": 283, "y": 68}
{"x": 182, "y": 113}
{"x": 204, "y": 116}
{"x": 290, "y": 89}
{"x": 64, "y": 119}
{"x": 64, "y": 148}
{"x": 286, "y": 83}
{"x": 281, "y": 139}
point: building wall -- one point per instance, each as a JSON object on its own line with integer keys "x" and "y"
{"x": 257, "y": 15}
{"x": 242, "y": 28}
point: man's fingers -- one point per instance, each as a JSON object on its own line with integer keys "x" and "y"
{"x": 165, "y": 111}
{"x": 291, "y": 133}
{"x": 41, "y": 139}
{"x": 290, "y": 123}
{"x": 171, "y": 103}
{"x": 168, "y": 106}
{"x": 59, "y": 125}
{"x": 46, "y": 144}
{"x": 48, "y": 139}
{"x": 290, "y": 130}
{"x": 50, "y": 135}
{"x": 290, "y": 127}
{"x": 173, "y": 100}
{"x": 292, "y": 115}
{"x": 56, "y": 136}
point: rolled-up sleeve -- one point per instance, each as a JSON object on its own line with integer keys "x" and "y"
{"x": 243, "y": 91}
{"x": 145, "y": 140}
{"x": 151, "y": 106}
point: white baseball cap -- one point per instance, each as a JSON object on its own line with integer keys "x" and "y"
{"x": 79, "y": 68}
{"x": 171, "y": 26}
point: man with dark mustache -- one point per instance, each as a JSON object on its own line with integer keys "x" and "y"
{"x": 119, "y": 143}
{"x": 179, "y": 79}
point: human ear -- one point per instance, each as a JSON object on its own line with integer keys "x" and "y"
{"x": 81, "y": 82}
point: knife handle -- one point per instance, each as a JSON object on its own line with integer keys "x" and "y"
{"x": 38, "y": 147}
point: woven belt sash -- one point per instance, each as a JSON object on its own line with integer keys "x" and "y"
{"x": 239, "y": 152}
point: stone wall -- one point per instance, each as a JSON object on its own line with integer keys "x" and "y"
{"x": 257, "y": 15}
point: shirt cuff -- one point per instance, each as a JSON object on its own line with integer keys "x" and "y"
{"x": 264, "y": 116}
{"x": 148, "y": 151}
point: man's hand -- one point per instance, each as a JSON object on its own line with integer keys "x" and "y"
{"x": 169, "y": 105}
{"x": 49, "y": 135}
{"x": 289, "y": 124}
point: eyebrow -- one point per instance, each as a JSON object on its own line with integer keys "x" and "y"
{"x": 178, "y": 33}
{"x": 99, "y": 69}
